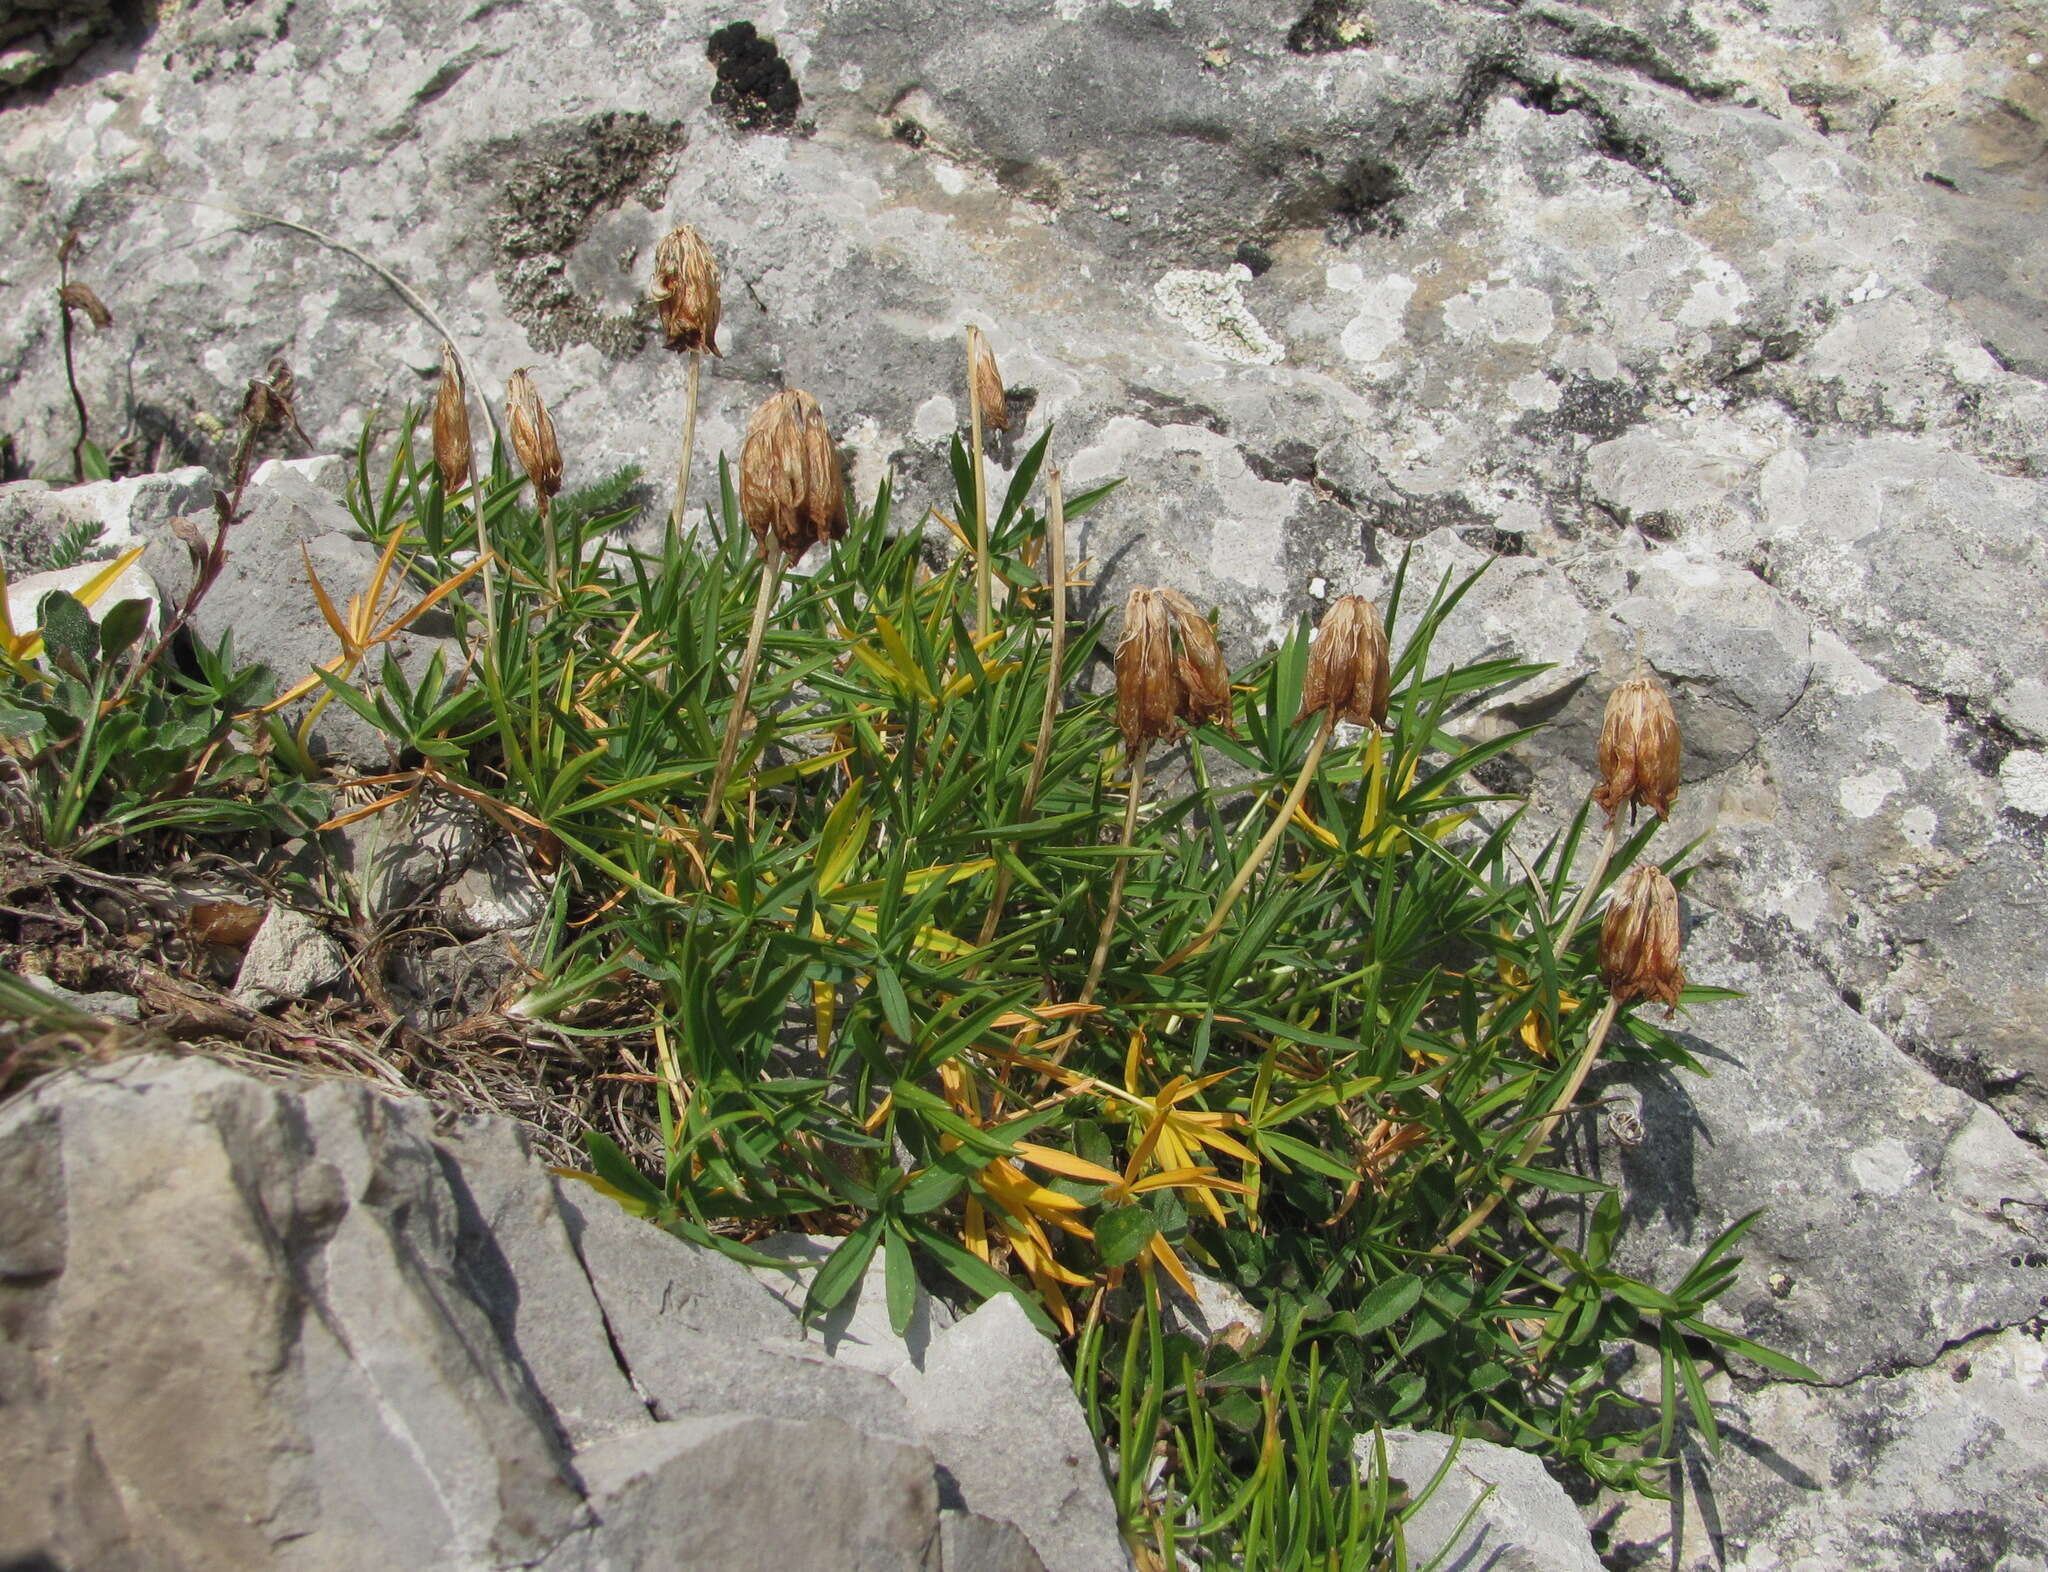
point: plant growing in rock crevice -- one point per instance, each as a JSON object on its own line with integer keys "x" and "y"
{"x": 1338, "y": 1017}
{"x": 852, "y": 902}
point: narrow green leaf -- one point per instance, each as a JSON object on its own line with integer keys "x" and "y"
{"x": 617, "y": 1170}
{"x": 1769, "y": 1358}
{"x": 895, "y": 1004}
{"x": 1555, "y": 1180}
{"x": 901, "y": 1279}
{"x": 843, "y": 1267}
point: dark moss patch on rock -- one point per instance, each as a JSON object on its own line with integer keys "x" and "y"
{"x": 1597, "y": 408}
{"x": 562, "y": 177}
{"x": 756, "y": 89}
{"x": 1329, "y": 26}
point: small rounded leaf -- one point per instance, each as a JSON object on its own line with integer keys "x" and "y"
{"x": 122, "y": 626}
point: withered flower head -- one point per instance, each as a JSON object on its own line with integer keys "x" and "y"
{"x": 533, "y": 434}
{"x": 1168, "y": 669}
{"x": 1198, "y": 663}
{"x": 987, "y": 382}
{"x": 686, "y": 290}
{"x": 1639, "y": 939}
{"x": 79, "y": 297}
{"x": 1638, "y": 749}
{"x": 790, "y": 484}
{"x": 1348, "y": 669}
{"x": 272, "y": 401}
{"x": 451, "y": 424}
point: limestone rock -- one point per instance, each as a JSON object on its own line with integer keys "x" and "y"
{"x": 259, "y": 1324}
{"x": 265, "y": 598}
{"x": 1941, "y": 1466}
{"x": 38, "y": 37}
{"x": 996, "y": 1408}
{"x": 1524, "y": 1523}
{"x": 702, "y": 1337}
{"x": 33, "y": 513}
{"x": 291, "y": 957}
{"x": 968, "y": 1543}
{"x": 236, "y": 1337}
{"x": 740, "y": 1492}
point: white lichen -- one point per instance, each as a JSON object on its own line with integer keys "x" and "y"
{"x": 1211, "y": 308}
{"x": 2024, "y": 775}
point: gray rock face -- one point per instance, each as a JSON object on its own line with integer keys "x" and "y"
{"x": 292, "y": 521}
{"x": 1721, "y": 328}
{"x": 291, "y": 957}
{"x": 1889, "y": 1474}
{"x": 248, "y": 1324}
{"x": 34, "y": 514}
{"x": 189, "y": 1242}
{"x": 996, "y": 1408}
{"x": 1494, "y": 1509}
{"x": 41, "y": 36}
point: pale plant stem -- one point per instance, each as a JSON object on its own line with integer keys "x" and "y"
{"x": 483, "y": 540}
{"x": 1263, "y": 850}
{"x": 405, "y": 291}
{"x": 1056, "y": 568}
{"x": 1116, "y": 880}
{"x": 1537, "y": 1137}
{"x": 678, "y": 514}
{"x": 1585, "y": 897}
{"x": 984, "y": 599}
{"x": 728, "y": 750}
{"x": 547, "y": 529}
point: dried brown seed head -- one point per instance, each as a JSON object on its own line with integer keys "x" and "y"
{"x": 272, "y": 401}
{"x": 1169, "y": 669}
{"x": 1639, "y": 749}
{"x": 79, "y": 297}
{"x": 686, "y": 290}
{"x": 791, "y": 488}
{"x": 451, "y": 424}
{"x": 1198, "y": 664}
{"x": 986, "y": 383}
{"x": 533, "y": 434}
{"x": 1147, "y": 687}
{"x": 1639, "y": 939}
{"x": 1348, "y": 667}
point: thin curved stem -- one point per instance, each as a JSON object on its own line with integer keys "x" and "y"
{"x": 984, "y": 599}
{"x": 1116, "y": 881}
{"x": 404, "y": 290}
{"x": 1541, "y": 1133}
{"x": 679, "y": 512}
{"x": 728, "y": 750}
{"x": 1056, "y": 566}
{"x": 1263, "y": 850}
{"x": 1585, "y": 898}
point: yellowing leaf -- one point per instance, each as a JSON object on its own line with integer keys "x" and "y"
{"x": 603, "y": 1187}
{"x": 1066, "y": 1163}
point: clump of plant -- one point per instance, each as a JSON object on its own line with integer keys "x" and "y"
{"x": 886, "y": 906}
{"x": 929, "y": 959}
{"x": 116, "y": 732}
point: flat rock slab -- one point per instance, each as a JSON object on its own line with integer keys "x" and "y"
{"x": 1494, "y": 1508}
{"x": 251, "y": 1323}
